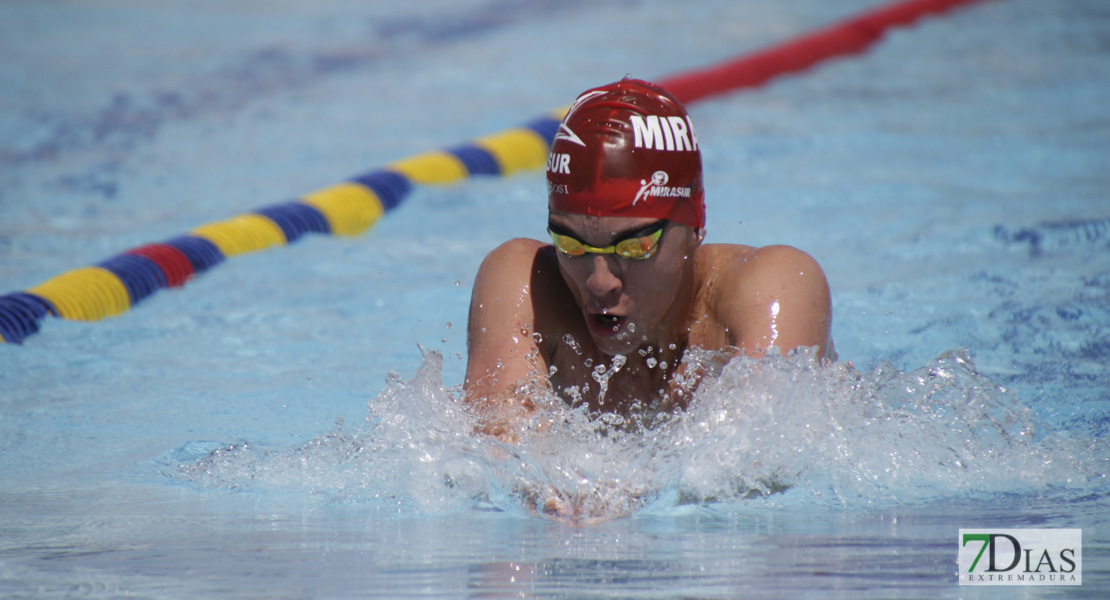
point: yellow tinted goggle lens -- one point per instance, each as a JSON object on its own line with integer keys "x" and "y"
{"x": 640, "y": 247}
{"x": 636, "y": 248}
{"x": 567, "y": 245}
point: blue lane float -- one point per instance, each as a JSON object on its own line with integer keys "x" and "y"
{"x": 113, "y": 286}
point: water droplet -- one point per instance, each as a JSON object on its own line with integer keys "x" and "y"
{"x": 537, "y": 337}
{"x": 602, "y": 376}
{"x": 449, "y": 324}
{"x": 651, "y": 362}
{"x": 457, "y": 282}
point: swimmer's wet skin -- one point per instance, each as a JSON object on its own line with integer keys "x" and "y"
{"x": 627, "y": 275}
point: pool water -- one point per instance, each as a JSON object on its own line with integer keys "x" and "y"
{"x": 288, "y": 424}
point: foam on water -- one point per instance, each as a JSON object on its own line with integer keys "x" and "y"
{"x": 780, "y": 429}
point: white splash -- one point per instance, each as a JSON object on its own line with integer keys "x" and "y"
{"x": 783, "y": 429}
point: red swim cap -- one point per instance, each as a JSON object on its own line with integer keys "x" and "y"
{"x": 627, "y": 149}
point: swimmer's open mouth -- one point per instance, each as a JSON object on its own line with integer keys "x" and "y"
{"x": 606, "y": 324}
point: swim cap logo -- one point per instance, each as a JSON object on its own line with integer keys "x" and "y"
{"x": 653, "y": 132}
{"x": 657, "y": 187}
{"x": 658, "y": 178}
{"x": 558, "y": 162}
{"x": 582, "y": 100}
{"x": 566, "y": 133}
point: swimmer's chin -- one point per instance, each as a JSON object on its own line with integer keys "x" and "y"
{"x": 620, "y": 344}
{"x": 613, "y": 335}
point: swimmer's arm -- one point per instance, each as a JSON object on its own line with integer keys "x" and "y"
{"x": 775, "y": 296}
{"x": 504, "y": 366}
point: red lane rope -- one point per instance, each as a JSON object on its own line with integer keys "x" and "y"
{"x": 847, "y": 37}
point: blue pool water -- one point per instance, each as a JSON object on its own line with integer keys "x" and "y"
{"x": 287, "y": 425}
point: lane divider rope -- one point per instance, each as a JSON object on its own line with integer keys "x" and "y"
{"x": 112, "y": 287}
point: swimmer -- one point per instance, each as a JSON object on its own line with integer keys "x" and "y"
{"x": 604, "y": 313}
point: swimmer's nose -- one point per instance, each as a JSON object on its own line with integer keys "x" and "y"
{"x": 603, "y": 280}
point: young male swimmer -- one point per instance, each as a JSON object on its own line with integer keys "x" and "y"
{"x": 627, "y": 274}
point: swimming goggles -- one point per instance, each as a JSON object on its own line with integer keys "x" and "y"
{"x": 639, "y": 246}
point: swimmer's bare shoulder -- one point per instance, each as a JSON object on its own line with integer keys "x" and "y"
{"x": 517, "y": 293}
{"x": 759, "y": 298}
{"x": 500, "y": 309}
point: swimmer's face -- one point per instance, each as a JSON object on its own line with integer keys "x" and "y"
{"x": 626, "y": 302}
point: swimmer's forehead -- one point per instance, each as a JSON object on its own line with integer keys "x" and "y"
{"x": 602, "y": 229}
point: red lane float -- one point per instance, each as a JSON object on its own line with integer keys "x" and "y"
{"x": 173, "y": 262}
